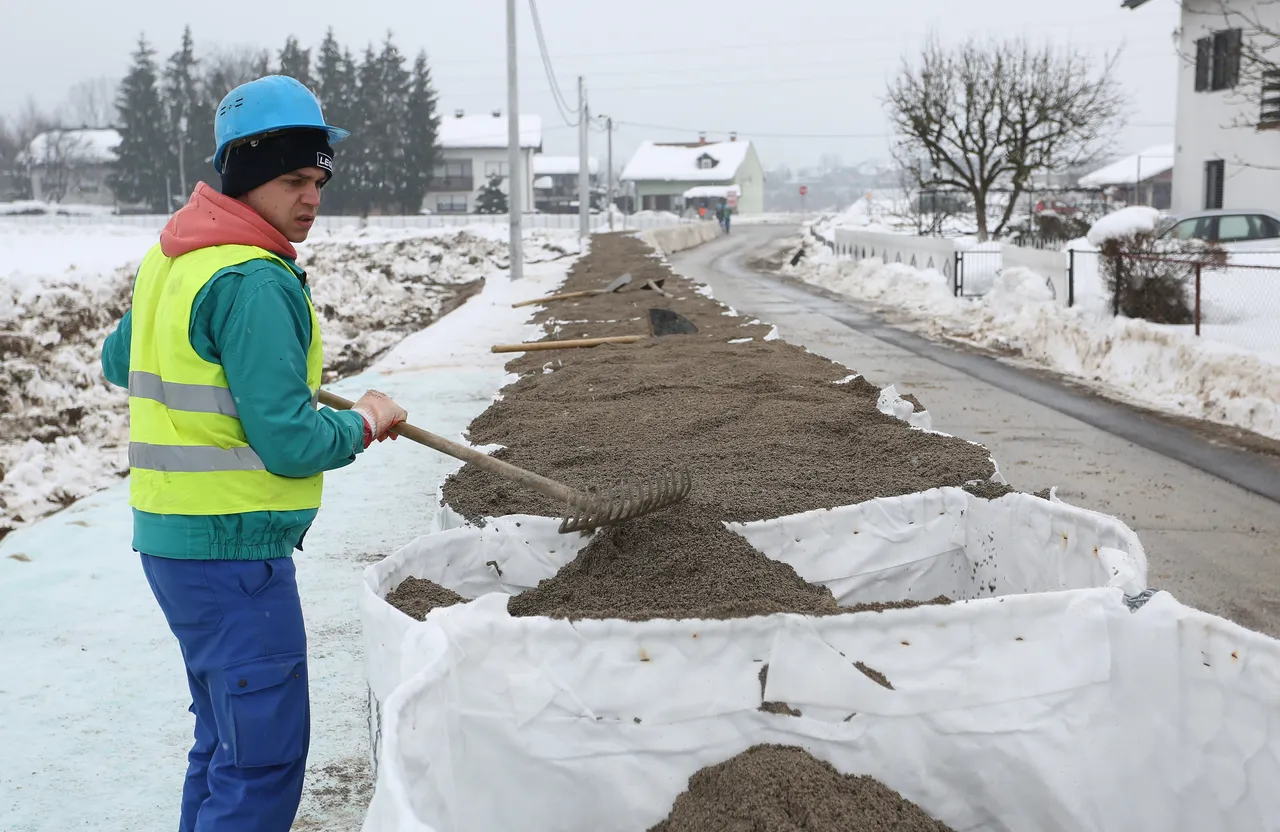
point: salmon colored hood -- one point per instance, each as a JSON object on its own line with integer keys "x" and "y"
{"x": 211, "y": 219}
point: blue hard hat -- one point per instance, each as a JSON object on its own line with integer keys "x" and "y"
{"x": 268, "y": 104}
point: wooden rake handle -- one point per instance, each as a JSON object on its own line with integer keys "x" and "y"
{"x": 549, "y": 298}
{"x": 531, "y": 346}
{"x": 557, "y": 491}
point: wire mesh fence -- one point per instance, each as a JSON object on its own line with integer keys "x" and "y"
{"x": 1236, "y": 302}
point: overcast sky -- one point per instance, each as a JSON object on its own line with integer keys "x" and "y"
{"x": 800, "y": 77}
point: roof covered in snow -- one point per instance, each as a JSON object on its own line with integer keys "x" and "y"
{"x": 561, "y": 165}
{"x": 1149, "y": 163}
{"x": 87, "y": 145}
{"x": 680, "y": 162}
{"x": 712, "y": 192}
{"x": 487, "y": 131}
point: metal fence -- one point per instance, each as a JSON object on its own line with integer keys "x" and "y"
{"x": 1235, "y": 303}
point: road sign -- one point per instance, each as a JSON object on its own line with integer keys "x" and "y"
{"x": 804, "y": 189}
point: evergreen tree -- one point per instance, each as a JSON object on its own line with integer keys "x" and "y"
{"x": 296, "y": 62}
{"x": 144, "y": 155}
{"x": 369, "y": 122}
{"x": 491, "y": 199}
{"x": 189, "y": 116}
{"x": 335, "y": 86}
{"x": 386, "y": 146}
{"x": 420, "y": 139}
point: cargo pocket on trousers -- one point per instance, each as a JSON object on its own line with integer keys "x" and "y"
{"x": 267, "y": 699}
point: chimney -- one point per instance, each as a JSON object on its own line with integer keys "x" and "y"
{"x": 733, "y": 137}
{"x": 702, "y": 138}
{"x": 497, "y": 113}
{"x": 459, "y": 113}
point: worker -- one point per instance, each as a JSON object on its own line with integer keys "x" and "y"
{"x": 221, "y": 355}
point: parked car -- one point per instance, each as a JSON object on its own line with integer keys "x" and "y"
{"x": 1233, "y": 229}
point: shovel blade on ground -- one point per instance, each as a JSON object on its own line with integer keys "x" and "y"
{"x": 618, "y": 283}
{"x": 665, "y": 322}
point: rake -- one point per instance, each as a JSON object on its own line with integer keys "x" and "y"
{"x": 583, "y": 511}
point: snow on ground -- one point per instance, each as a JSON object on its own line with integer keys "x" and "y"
{"x": 30, "y": 207}
{"x": 1164, "y": 367}
{"x": 63, "y": 429}
{"x": 96, "y": 710}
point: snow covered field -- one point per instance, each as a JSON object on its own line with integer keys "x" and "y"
{"x": 1164, "y": 367}
{"x": 95, "y": 730}
{"x": 63, "y": 429}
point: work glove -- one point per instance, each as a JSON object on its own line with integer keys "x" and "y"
{"x": 380, "y": 414}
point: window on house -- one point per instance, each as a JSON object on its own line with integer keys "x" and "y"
{"x": 451, "y": 204}
{"x": 452, "y": 175}
{"x": 706, "y": 162}
{"x": 1270, "y": 115}
{"x": 495, "y": 169}
{"x": 1218, "y": 60}
{"x": 1214, "y": 175}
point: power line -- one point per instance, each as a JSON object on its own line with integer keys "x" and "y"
{"x": 561, "y": 104}
{"x": 756, "y": 135}
{"x": 704, "y": 48}
{"x": 767, "y": 135}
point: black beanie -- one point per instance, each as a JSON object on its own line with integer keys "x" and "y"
{"x": 258, "y": 161}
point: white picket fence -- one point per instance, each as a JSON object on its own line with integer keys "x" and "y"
{"x": 971, "y": 269}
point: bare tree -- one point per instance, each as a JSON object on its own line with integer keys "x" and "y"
{"x": 988, "y": 115}
{"x": 15, "y": 138}
{"x": 91, "y": 103}
{"x": 58, "y": 157}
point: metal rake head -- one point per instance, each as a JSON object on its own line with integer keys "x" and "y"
{"x": 626, "y": 502}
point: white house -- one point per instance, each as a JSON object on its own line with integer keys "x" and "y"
{"x": 72, "y": 166}
{"x": 663, "y": 173}
{"x": 473, "y": 148}
{"x": 555, "y": 182}
{"x": 1227, "y": 153}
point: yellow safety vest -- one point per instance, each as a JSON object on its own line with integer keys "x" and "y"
{"x": 188, "y": 453}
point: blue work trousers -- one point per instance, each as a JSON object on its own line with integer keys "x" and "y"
{"x": 239, "y": 624}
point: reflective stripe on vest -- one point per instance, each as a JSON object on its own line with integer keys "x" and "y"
{"x": 193, "y": 398}
{"x": 188, "y": 453}
{"x": 193, "y": 458}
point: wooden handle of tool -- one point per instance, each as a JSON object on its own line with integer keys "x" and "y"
{"x": 531, "y": 346}
{"x": 549, "y": 298}
{"x": 557, "y": 491}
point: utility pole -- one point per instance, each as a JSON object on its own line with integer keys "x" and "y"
{"x": 584, "y": 173}
{"x": 515, "y": 177}
{"x": 609, "y": 190}
{"x": 182, "y": 162}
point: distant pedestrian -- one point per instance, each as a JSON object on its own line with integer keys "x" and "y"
{"x": 725, "y": 212}
{"x": 702, "y": 212}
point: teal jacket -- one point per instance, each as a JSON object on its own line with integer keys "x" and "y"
{"x": 244, "y": 314}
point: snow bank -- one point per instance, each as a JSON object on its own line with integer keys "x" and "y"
{"x": 64, "y": 430}
{"x": 680, "y": 237}
{"x": 1127, "y": 222}
{"x": 1157, "y": 366}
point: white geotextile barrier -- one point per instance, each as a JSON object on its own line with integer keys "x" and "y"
{"x": 940, "y": 542}
{"x": 1057, "y": 711}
